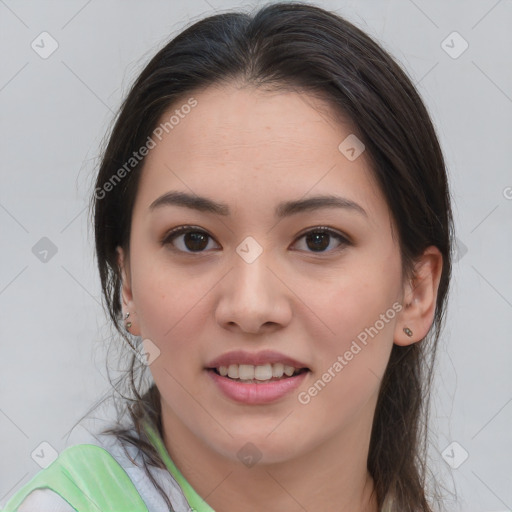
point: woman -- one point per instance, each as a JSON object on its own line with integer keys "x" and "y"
{"x": 273, "y": 233}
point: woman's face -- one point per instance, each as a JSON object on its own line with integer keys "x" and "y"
{"x": 250, "y": 278}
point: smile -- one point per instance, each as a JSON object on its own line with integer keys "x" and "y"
{"x": 250, "y": 389}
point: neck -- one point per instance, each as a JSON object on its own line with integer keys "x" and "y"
{"x": 331, "y": 477}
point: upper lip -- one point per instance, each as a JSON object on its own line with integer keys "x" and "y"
{"x": 256, "y": 359}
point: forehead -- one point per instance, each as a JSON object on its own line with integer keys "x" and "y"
{"x": 251, "y": 143}
{"x": 242, "y": 122}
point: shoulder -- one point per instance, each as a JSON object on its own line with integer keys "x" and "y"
{"x": 81, "y": 458}
{"x": 130, "y": 458}
{"x": 80, "y": 474}
{"x": 45, "y": 500}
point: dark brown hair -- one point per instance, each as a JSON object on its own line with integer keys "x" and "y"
{"x": 297, "y": 46}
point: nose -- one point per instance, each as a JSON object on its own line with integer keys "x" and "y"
{"x": 253, "y": 298}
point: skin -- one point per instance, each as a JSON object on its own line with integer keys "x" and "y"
{"x": 252, "y": 149}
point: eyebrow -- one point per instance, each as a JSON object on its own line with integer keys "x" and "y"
{"x": 284, "y": 209}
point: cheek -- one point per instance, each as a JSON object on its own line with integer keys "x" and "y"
{"x": 170, "y": 307}
{"x": 355, "y": 301}
{"x": 352, "y": 361}
{"x": 359, "y": 312}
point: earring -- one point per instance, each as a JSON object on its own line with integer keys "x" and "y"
{"x": 128, "y": 324}
{"x": 408, "y": 331}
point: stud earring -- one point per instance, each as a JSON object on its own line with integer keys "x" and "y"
{"x": 408, "y": 331}
{"x": 128, "y": 324}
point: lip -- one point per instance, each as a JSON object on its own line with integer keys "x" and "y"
{"x": 256, "y": 359}
{"x": 256, "y": 394}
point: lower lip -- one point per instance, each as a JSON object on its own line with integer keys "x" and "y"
{"x": 255, "y": 394}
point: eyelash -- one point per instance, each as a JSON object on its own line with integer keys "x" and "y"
{"x": 174, "y": 233}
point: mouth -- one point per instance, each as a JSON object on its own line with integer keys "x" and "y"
{"x": 260, "y": 374}
{"x": 257, "y": 385}
{"x": 258, "y": 378}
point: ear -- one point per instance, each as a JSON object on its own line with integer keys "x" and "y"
{"x": 126, "y": 292}
{"x": 420, "y": 298}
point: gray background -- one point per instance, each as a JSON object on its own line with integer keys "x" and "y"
{"x": 55, "y": 113}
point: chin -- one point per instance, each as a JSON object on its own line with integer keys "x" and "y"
{"x": 250, "y": 446}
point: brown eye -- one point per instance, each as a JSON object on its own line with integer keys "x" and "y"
{"x": 188, "y": 239}
{"x": 319, "y": 239}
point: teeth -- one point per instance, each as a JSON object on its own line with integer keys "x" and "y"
{"x": 277, "y": 370}
{"x": 233, "y": 371}
{"x": 289, "y": 370}
{"x": 263, "y": 372}
{"x": 251, "y": 372}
